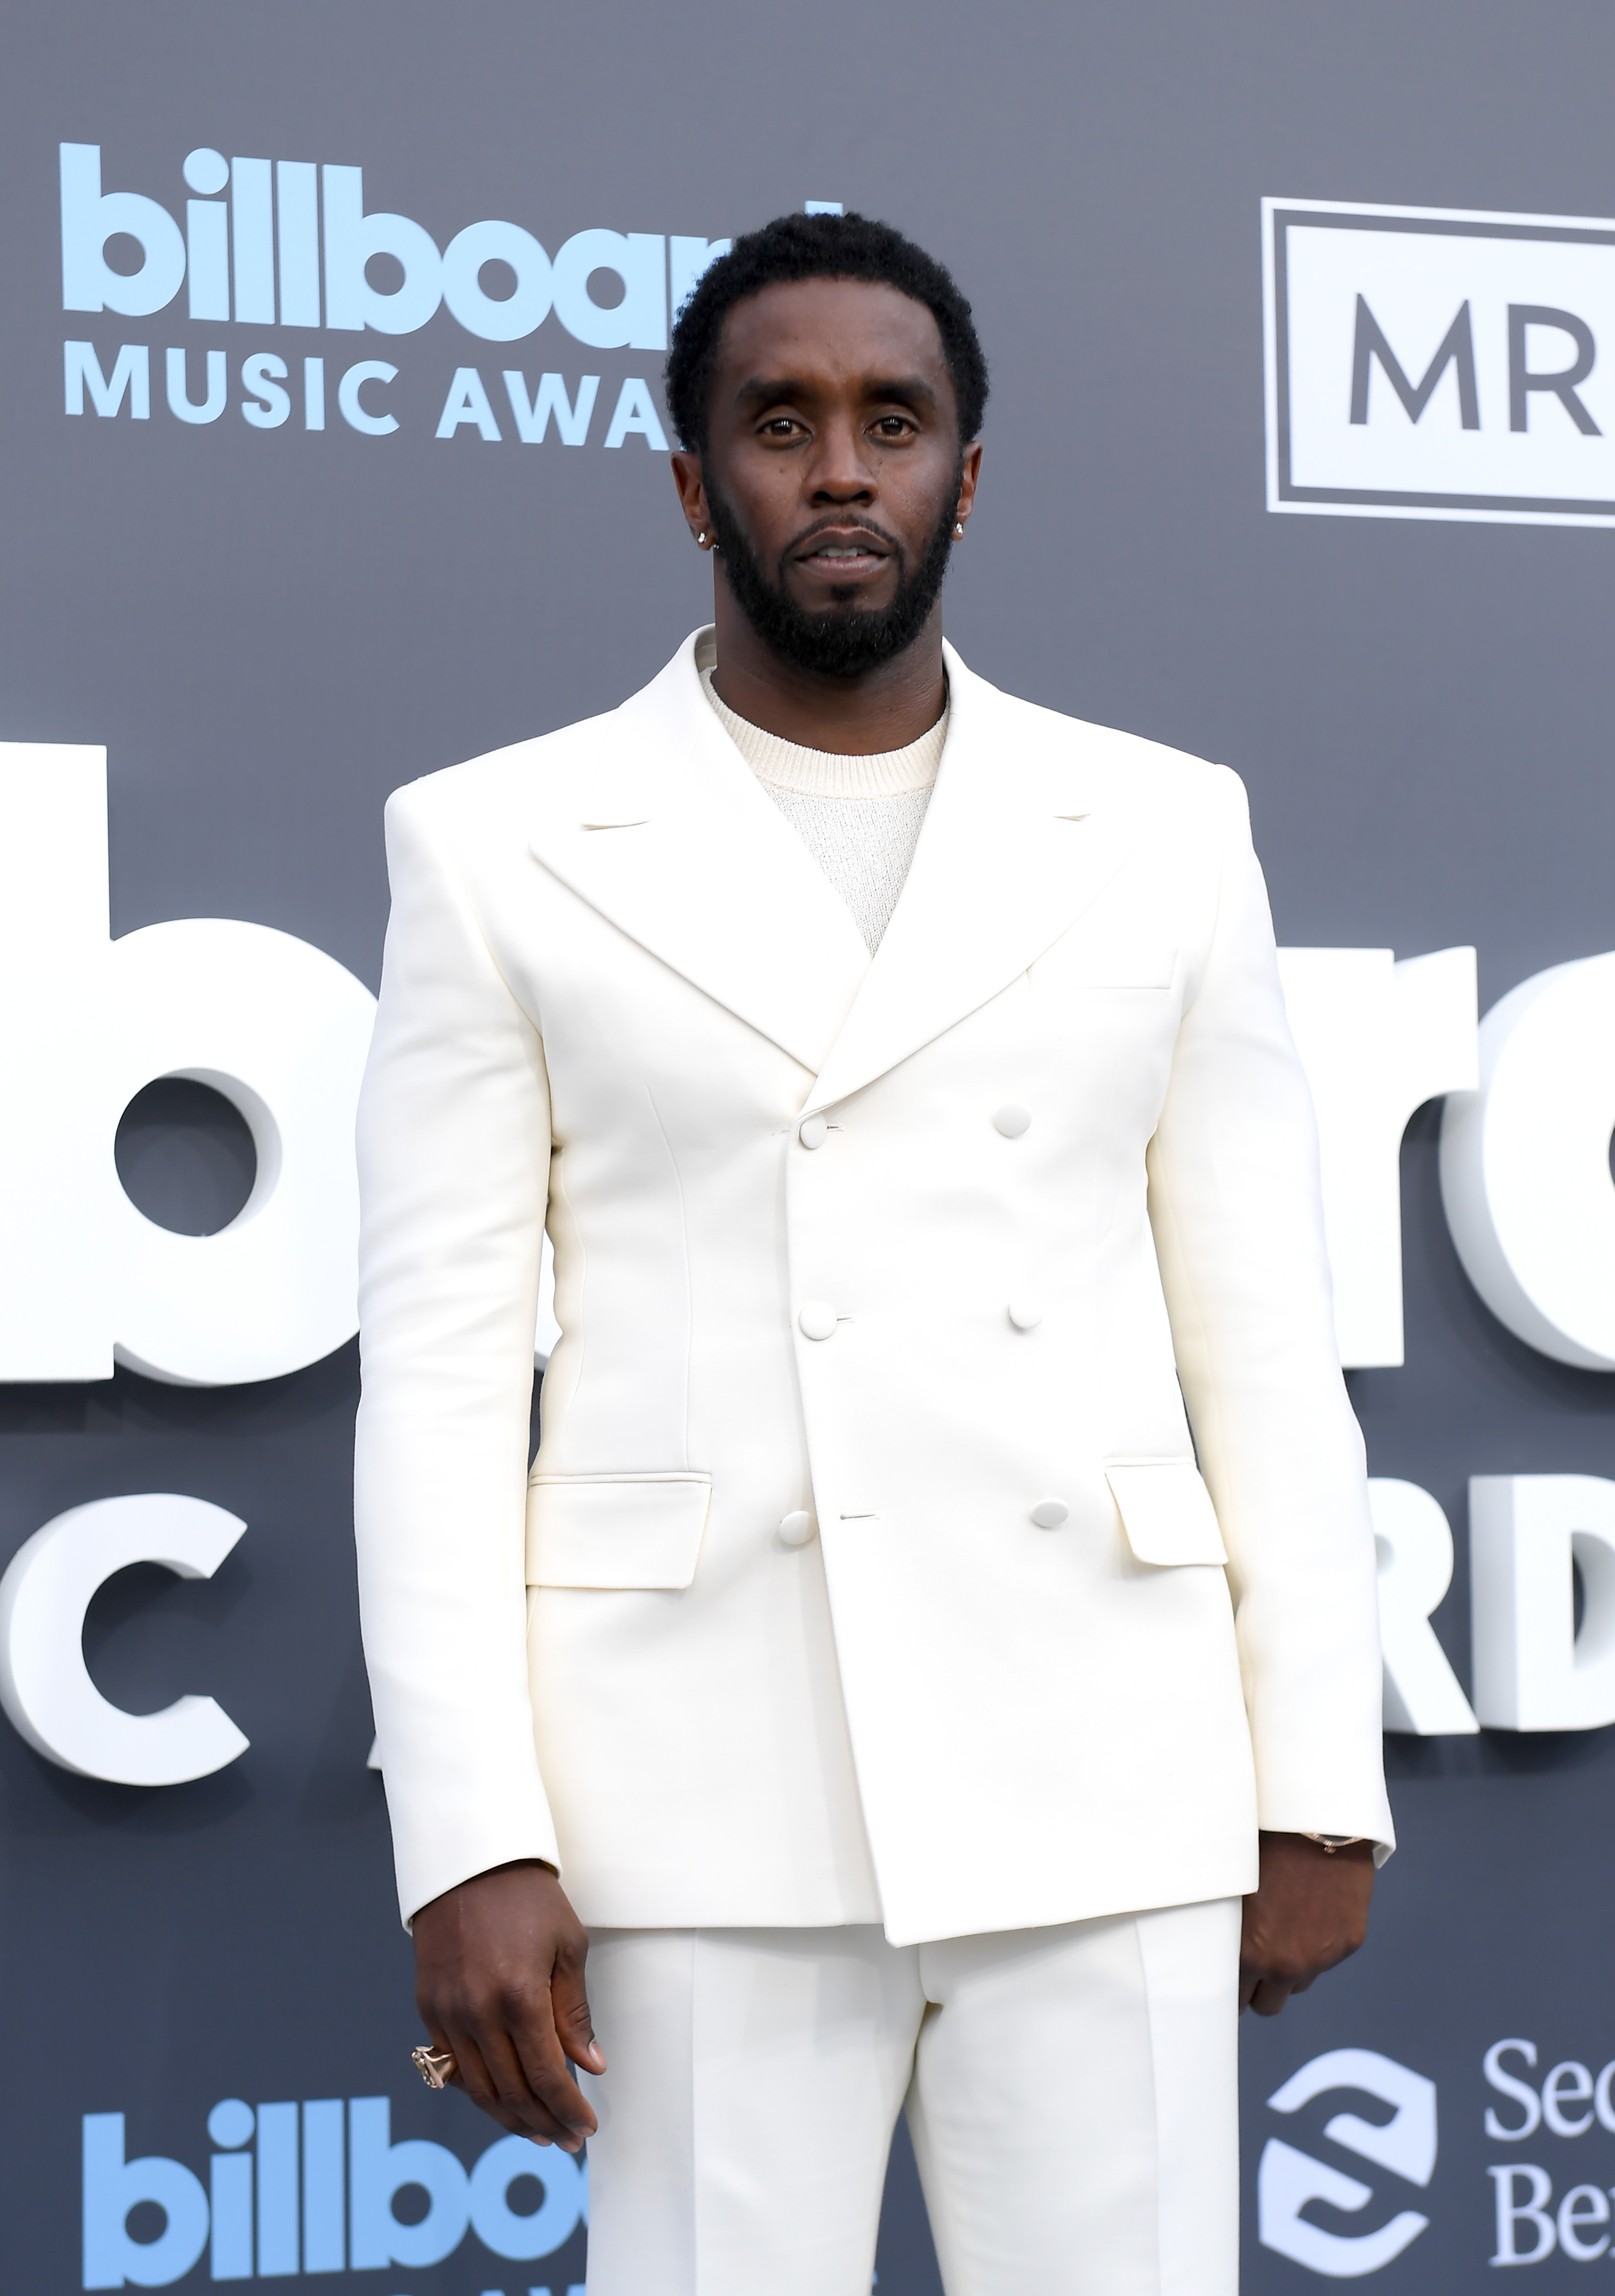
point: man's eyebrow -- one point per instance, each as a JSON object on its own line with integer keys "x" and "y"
{"x": 767, "y": 390}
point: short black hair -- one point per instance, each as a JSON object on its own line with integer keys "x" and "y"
{"x": 818, "y": 247}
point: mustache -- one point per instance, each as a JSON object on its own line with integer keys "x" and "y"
{"x": 830, "y": 522}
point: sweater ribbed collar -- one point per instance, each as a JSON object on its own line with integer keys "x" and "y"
{"x": 825, "y": 772}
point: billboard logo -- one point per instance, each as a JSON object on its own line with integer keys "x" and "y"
{"x": 1428, "y": 363}
{"x": 304, "y": 2188}
{"x": 286, "y": 243}
{"x": 265, "y": 237}
{"x": 1288, "y": 2180}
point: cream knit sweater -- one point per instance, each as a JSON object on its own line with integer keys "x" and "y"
{"x": 859, "y": 817}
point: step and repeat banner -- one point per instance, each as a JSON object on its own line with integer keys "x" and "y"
{"x": 333, "y": 450}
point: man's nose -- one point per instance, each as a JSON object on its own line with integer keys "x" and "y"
{"x": 843, "y": 469}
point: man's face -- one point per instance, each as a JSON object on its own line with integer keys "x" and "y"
{"x": 834, "y": 470}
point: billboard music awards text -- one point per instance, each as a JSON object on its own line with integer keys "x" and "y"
{"x": 287, "y": 244}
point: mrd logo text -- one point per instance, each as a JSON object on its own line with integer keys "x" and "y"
{"x": 1429, "y": 364}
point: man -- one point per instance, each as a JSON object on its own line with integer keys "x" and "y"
{"x": 903, "y": 1073}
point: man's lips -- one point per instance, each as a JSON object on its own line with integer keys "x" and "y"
{"x": 844, "y": 557}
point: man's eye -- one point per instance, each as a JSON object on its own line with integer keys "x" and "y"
{"x": 893, "y": 426}
{"x": 780, "y": 426}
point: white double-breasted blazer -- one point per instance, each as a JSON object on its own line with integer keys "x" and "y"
{"x": 930, "y": 1249}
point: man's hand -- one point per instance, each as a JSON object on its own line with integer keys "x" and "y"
{"x": 499, "y": 1980}
{"x": 1309, "y": 1909}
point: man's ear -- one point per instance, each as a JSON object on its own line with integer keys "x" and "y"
{"x": 969, "y": 473}
{"x": 691, "y": 494}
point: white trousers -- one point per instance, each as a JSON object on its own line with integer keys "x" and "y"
{"x": 1071, "y": 2093}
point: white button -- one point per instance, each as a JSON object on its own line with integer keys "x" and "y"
{"x": 1012, "y": 1120}
{"x": 812, "y": 1131}
{"x": 1048, "y": 1514}
{"x": 818, "y": 1319}
{"x": 1024, "y": 1314}
{"x": 795, "y": 1528}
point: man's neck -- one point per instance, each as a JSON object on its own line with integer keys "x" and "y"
{"x": 855, "y": 717}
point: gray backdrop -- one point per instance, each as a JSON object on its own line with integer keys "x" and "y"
{"x": 271, "y": 630}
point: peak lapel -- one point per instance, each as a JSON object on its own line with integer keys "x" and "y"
{"x": 666, "y": 830}
{"x": 1019, "y": 837}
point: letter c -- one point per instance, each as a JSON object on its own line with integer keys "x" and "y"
{"x": 45, "y": 1685}
{"x": 354, "y": 413}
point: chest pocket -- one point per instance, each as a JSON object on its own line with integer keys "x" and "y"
{"x": 616, "y": 1531}
{"x": 1166, "y": 1511}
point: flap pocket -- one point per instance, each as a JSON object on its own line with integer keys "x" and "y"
{"x": 615, "y": 1530}
{"x": 1166, "y": 1511}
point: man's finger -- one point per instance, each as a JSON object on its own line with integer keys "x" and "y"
{"x": 537, "y": 2107}
{"x": 538, "y": 2047}
{"x": 570, "y": 2006}
{"x": 492, "y": 2077}
{"x": 1270, "y": 1995}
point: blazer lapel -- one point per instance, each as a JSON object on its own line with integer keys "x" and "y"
{"x": 1022, "y": 834}
{"x": 667, "y": 833}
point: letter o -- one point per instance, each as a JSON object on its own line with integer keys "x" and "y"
{"x": 495, "y": 2223}
{"x": 282, "y": 1030}
{"x": 1525, "y": 1164}
{"x": 482, "y": 315}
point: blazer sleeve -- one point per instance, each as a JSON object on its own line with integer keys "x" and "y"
{"x": 1237, "y": 1210}
{"x": 453, "y": 1145}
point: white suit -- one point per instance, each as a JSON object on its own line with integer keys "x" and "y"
{"x": 1027, "y": 1672}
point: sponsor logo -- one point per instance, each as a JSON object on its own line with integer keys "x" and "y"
{"x": 1428, "y": 363}
{"x": 1565, "y": 2102}
{"x": 1289, "y": 2181}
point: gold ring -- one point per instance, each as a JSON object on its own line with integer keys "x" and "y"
{"x": 435, "y": 2066}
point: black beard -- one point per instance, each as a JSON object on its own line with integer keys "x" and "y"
{"x": 835, "y": 644}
